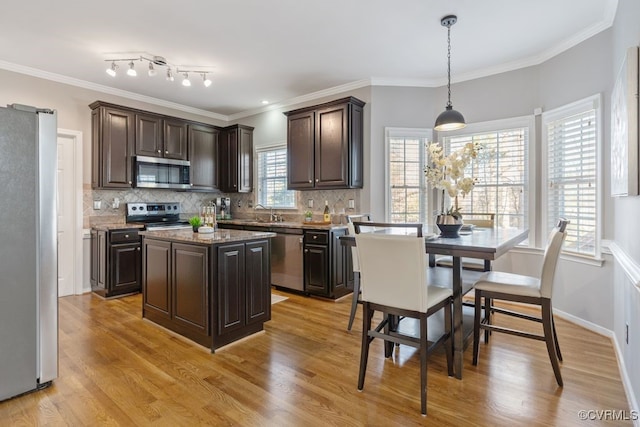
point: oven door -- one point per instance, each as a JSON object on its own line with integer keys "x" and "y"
{"x": 155, "y": 172}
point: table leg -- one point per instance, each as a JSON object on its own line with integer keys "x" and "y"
{"x": 458, "y": 333}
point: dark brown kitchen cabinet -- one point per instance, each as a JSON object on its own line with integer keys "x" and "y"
{"x": 203, "y": 155}
{"x": 236, "y": 159}
{"x": 157, "y": 136}
{"x": 325, "y": 263}
{"x": 113, "y": 139}
{"x": 325, "y": 145}
{"x": 243, "y": 294}
{"x": 176, "y": 287}
{"x": 115, "y": 262}
{"x": 190, "y": 287}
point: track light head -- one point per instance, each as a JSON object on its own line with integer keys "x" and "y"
{"x": 112, "y": 69}
{"x": 206, "y": 80}
{"x": 152, "y": 71}
{"x": 131, "y": 71}
{"x": 186, "y": 81}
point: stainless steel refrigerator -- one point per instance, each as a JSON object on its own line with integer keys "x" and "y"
{"x": 28, "y": 250}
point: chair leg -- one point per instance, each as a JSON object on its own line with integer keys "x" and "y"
{"x": 488, "y": 302}
{"x": 476, "y": 325}
{"x": 448, "y": 322}
{"x": 367, "y": 315}
{"x": 555, "y": 338}
{"x": 388, "y": 345}
{"x": 423, "y": 364}
{"x": 354, "y": 301}
{"x": 547, "y": 325}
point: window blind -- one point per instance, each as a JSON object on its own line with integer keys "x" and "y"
{"x": 406, "y": 182}
{"x": 572, "y": 179}
{"x": 272, "y": 179}
{"x": 501, "y": 172}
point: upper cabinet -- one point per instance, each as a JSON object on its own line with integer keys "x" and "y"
{"x": 219, "y": 161}
{"x": 203, "y": 155}
{"x": 159, "y": 136}
{"x": 113, "y": 133}
{"x": 325, "y": 145}
{"x": 236, "y": 155}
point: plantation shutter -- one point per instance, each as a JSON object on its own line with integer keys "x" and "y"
{"x": 572, "y": 179}
{"x": 272, "y": 179}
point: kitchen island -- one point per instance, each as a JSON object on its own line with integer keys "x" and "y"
{"x": 212, "y": 288}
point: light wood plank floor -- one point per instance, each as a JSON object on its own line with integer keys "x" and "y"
{"x": 116, "y": 369}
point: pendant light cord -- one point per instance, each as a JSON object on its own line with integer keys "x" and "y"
{"x": 449, "y": 65}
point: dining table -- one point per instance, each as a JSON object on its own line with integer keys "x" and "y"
{"x": 480, "y": 243}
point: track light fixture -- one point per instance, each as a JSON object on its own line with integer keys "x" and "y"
{"x": 158, "y": 61}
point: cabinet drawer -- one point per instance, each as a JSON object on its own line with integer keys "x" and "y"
{"x": 317, "y": 237}
{"x": 125, "y": 236}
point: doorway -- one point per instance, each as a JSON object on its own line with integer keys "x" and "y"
{"x": 69, "y": 212}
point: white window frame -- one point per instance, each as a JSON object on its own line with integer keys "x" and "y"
{"x": 511, "y": 123}
{"x": 397, "y": 132}
{"x": 577, "y": 107}
{"x": 257, "y": 186}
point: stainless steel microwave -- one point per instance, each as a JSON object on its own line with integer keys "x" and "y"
{"x": 156, "y": 172}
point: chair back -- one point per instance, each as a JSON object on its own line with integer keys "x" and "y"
{"x": 364, "y": 217}
{"x": 484, "y": 220}
{"x": 388, "y": 227}
{"x": 551, "y": 255}
{"x": 394, "y": 268}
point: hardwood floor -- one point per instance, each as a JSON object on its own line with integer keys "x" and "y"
{"x": 117, "y": 369}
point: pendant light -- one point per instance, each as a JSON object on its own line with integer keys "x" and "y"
{"x": 449, "y": 119}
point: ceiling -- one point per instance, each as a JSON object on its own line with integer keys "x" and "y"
{"x": 285, "y": 50}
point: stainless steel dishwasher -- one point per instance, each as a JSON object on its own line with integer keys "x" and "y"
{"x": 286, "y": 258}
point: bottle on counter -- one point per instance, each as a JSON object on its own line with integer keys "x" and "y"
{"x": 326, "y": 216}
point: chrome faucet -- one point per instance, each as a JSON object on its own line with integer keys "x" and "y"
{"x": 272, "y": 216}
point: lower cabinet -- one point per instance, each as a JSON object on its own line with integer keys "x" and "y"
{"x": 176, "y": 287}
{"x": 213, "y": 295}
{"x": 243, "y": 296}
{"x": 326, "y": 264}
{"x": 115, "y": 262}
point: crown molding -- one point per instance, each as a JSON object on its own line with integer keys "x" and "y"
{"x": 304, "y": 98}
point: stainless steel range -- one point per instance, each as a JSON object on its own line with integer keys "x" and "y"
{"x": 157, "y": 216}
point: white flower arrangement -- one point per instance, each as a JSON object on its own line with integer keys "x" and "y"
{"x": 447, "y": 173}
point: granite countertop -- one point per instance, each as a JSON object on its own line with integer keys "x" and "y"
{"x": 283, "y": 224}
{"x": 116, "y": 226}
{"x": 217, "y": 237}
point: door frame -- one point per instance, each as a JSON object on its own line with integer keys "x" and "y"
{"x": 76, "y": 137}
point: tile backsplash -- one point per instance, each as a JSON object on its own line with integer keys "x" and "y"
{"x": 241, "y": 203}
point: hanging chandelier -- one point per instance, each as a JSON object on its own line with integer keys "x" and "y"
{"x": 449, "y": 119}
{"x": 158, "y": 61}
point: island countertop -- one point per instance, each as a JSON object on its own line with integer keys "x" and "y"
{"x": 215, "y": 238}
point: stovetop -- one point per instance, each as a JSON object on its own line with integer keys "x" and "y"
{"x": 156, "y": 215}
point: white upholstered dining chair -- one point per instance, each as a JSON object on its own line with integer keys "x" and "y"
{"x": 394, "y": 273}
{"x": 537, "y": 291}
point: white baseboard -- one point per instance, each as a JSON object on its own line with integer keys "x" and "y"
{"x": 624, "y": 376}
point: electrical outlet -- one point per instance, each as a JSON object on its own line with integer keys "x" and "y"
{"x": 97, "y": 205}
{"x": 116, "y": 203}
{"x": 352, "y": 204}
{"x": 239, "y": 203}
{"x": 310, "y": 203}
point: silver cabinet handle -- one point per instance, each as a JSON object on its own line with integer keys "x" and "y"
{"x": 317, "y": 180}
{"x": 166, "y": 152}
{"x": 129, "y": 182}
{"x": 159, "y": 151}
{"x": 126, "y": 236}
{"x": 138, "y": 249}
{"x": 315, "y": 237}
{"x": 310, "y": 181}
{"x": 306, "y": 251}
